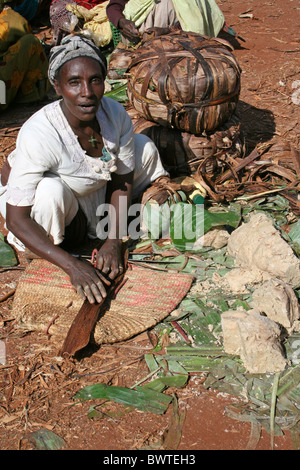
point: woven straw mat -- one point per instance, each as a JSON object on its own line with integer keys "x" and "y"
{"x": 45, "y": 296}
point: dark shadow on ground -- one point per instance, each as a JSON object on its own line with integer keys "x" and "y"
{"x": 257, "y": 125}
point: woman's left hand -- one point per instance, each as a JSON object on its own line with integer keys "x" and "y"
{"x": 109, "y": 258}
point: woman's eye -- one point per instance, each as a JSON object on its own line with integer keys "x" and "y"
{"x": 97, "y": 80}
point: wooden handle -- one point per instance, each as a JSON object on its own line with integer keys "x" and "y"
{"x": 80, "y": 330}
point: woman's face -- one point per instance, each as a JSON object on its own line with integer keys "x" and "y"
{"x": 81, "y": 85}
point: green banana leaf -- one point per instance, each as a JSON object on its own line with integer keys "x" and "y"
{"x": 141, "y": 398}
{"x": 118, "y": 94}
{"x": 190, "y": 222}
{"x": 7, "y": 254}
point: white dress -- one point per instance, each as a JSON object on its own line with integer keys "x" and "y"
{"x": 52, "y": 173}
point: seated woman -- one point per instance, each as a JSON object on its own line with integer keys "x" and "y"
{"x": 61, "y": 19}
{"x": 72, "y": 156}
{"x": 134, "y": 17}
{"x": 23, "y": 63}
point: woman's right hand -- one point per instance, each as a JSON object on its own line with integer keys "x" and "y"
{"x": 128, "y": 29}
{"x": 88, "y": 281}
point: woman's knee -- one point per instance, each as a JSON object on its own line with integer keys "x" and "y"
{"x": 145, "y": 151}
{"x": 54, "y": 208}
{"x": 50, "y": 191}
{"x": 53, "y": 195}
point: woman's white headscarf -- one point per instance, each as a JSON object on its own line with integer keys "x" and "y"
{"x": 71, "y": 47}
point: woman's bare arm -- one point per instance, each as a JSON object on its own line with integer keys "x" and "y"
{"x": 87, "y": 280}
{"x": 109, "y": 260}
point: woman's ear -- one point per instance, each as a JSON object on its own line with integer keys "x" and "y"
{"x": 57, "y": 87}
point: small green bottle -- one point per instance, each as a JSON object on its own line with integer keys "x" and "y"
{"x": 197, "y": 197}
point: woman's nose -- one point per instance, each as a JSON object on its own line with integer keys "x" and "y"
{"x": 86, "y": 89}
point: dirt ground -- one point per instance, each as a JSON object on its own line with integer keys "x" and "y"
{"x": 36, "y": 387}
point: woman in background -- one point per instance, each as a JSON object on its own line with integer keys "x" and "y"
{"x": 23, "y": 63}
{"x": 61, "y": 18}
{"x": 134, "y": 17}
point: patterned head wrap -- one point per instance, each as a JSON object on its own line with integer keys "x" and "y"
{"x": 71, "y": 47}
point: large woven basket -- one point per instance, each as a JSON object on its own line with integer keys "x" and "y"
{"x": 45, "y": 301}
{"x": 184, "y": 80}
{"x": 118, "y": 61}
{"x": 181, "y": 153}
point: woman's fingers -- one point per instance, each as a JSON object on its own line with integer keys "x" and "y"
{"x": 93, "y": 286}
{"x": 128, "y": 28}
{"x": 104, "y": 263}
{"x": 86, "y": 293}
{"x": 109, "y": 260}
{"x": 80, "y": 291}
{"x": 111, "y": 269}
{"x": 102, "y": 279}
{"x": 95, "y": 292}
{"x": 101, "y": 286}
{"x": 115, "y": 270}
{"x": 100, "y": 261}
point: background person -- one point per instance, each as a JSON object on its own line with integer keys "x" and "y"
{"x": 23, "y": 62}
{"x": 62, "y": 20}
{"x": 133, "y": 17}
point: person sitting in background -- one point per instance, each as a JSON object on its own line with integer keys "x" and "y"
{"x": 23, "y": 62}
{"x": 134, "y": 17}
{"x": 32, "y": 9}
{"x": 71, "y": 157}
{"x": 61, "y": 19}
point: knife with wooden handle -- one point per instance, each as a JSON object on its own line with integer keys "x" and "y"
{"x": 82, "y": 326}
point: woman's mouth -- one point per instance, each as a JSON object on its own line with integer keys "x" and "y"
{"x": 88, "y": 107}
